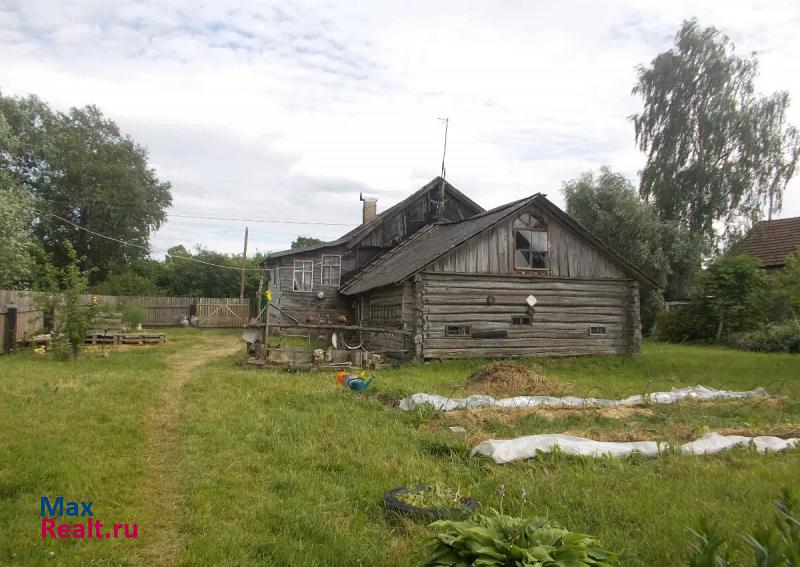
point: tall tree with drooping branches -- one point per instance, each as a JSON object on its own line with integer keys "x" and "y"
{"x": 716, "y": 151}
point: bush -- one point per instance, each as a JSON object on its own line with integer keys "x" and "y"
{"x": 684, "y": 323}
{"x": 505, "y": 540}
{"x": 776, "y": 337}
{"x": 133, "y": 315}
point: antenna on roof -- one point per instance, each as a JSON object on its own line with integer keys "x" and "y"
{"x": 440, "y": 212}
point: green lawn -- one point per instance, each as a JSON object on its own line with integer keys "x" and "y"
{"x": 273, "y": 468}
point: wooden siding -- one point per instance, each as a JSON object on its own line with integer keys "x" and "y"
{"x": 492, "y": 252}
{"x": 406, "y": 221}
{"x": 389, "y": 307}
{"x": 565, "y": 310}
{"x": 306, "y": 306}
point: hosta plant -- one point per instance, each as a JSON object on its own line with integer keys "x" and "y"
{"x": 496, "y": 539}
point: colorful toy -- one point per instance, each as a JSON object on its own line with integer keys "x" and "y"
{"x": 355, "y": 383}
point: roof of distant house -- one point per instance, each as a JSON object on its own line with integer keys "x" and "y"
{"x": 772, "y": 242}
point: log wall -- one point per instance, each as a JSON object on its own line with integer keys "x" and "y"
{"x": 565, "y": 310}
{"x": 388, "y": 307}
{"x": 307, "y": 306}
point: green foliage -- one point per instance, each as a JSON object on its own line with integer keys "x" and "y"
{"x": 505, "y": 540}
{"x": 74, "y": 318}
{"x": 608, "y": 206}
{"x": 133, "y": 314}
{"x": 140, "y": 278}
{"x": 302, "y": 241}
{"x": 684, "y": 323}
{"x": 774, "y": 337}
{"x": 80, "y": 166}
{"x": 715, "y": 151}
{"x": 16, "y": 243}
{"x": 179, "y": 276}
{"x": 732, "y": 292}
{"x": 776, "y": 545}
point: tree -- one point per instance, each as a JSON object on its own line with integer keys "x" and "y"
{"x": 608, "y": 206}
{"x": 80, "y": 167}
{"x": 75, "y": 318}
{"x": 302, "y": 241}
{"x": 715, "y": 151}
{"x": 206, "y": 273}
{"x": 732, "y": 290}
{"x": 16, "y": 244}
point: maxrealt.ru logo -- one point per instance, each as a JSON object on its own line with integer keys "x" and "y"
{"x": 92, "y": 528}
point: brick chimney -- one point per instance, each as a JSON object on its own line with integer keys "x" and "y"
{"x": 370, "y": 208}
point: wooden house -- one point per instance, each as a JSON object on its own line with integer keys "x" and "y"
{"x": 523, "y": 279}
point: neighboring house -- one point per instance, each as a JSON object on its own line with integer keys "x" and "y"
{"x": 459, "y": 287}
{"x": 772, "y": 242}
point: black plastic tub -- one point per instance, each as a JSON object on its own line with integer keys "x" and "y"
{"x": 397, "y": 506}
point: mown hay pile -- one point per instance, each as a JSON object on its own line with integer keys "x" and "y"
{"x": 511, "y": 379}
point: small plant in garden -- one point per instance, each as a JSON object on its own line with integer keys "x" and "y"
{"x": 777, "y": 545}
{"x": 505, "y": 540}
{"x": 432, "y": 496}
{"x": 133, "y": 315}
{"x": 74, "y": 319}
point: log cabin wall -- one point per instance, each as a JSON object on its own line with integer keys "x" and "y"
{"x": 306, "y": 306}
{"x": 388, "y": 307}
{"x": 465, "y": 315}
{"x": 570, "y": 255}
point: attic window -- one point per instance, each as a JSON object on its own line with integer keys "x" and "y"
{"x": 520, "y": 320}
{"x": 597, "y": 330}
{"x": 530, "y": 243}
{"x": 303, "y": 275}
{"x": 457, "y": 331}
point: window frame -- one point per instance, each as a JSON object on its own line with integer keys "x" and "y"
{"x": 533, "y": 227}
{"x": 595, "y": 330}
{"x": 302, "y": 270}
{"x": 338, "y": 271}
{"x": 462, "y": 331}
{"x": 521, "y": 321}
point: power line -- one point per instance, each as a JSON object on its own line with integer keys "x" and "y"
{"x": 262, "y": 220}
{"x": 145, "y": 248}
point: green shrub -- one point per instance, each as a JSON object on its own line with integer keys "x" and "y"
{"x": 133, "y": 315}
{"x": 505, "y": 540}
{"x": 684, "y": 323}
{"x": 776, "y": 337}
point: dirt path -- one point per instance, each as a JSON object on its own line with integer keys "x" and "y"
{"x": 159, "y": 530}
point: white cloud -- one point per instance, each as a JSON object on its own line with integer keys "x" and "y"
{"x": 289, "y": 110}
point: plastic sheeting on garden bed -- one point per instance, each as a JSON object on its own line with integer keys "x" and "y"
{"x": 675, "y": 395}
{"x": 504, "y": 451}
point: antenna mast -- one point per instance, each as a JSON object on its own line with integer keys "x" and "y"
{"x": 440, "y": 212}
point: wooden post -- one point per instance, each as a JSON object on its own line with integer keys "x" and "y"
{"x": 419, "y": 319}
{"x": 258, "y": 299}
{"x": 244, "y": 260}
{"x": 11, "y": 329}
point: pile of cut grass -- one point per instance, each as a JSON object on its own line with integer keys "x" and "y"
{"x": 511, "y": 379}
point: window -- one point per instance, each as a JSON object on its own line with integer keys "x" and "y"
{"x": 303, "y": 275}
{"x": 520, "y": 320}
{"x": 456, "y": 331}
{"x": 597, "y": 330}
{"x": 331, "y": 270}
{"x": 530, "y": 243}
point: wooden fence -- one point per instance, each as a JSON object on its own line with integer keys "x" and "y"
{"x": 219, "y": 312}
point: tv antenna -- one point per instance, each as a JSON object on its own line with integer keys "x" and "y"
{"x": 440, "y": 214}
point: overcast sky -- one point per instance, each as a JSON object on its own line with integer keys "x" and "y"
{"x": 289, "y": 110}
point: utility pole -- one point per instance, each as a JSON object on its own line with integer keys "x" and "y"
{"x": 244, "y": 260}
{"x": 440, "y": 214}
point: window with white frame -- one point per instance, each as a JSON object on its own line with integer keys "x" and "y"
{"x": 331, "y": 270}
{"x": 303, "y": 275}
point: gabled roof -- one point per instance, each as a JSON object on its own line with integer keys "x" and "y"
{"x": 360, "y": 232}
{"x": 356, "y": 235}
{"x": 771, "y": 242}
{"x": 433, "y": 241}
